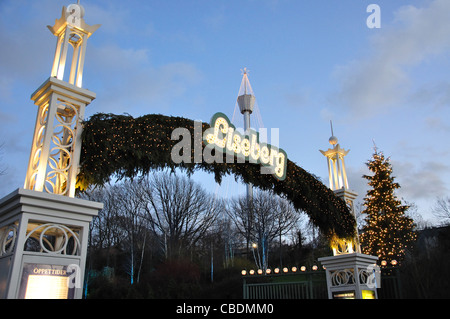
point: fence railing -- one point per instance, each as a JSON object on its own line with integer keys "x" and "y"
{"x": 308, "y": 285}
{"x": 391, "y": 287}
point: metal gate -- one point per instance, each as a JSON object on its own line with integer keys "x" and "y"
{"x": 309, "y": 285}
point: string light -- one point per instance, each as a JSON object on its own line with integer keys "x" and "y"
{"x": 285, "y": 270}
{"x": 124, "y": 147}
{"x": 388, "y": 232}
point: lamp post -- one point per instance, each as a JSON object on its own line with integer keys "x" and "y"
{"x": 246, "y": 102}
{"x": 257, "y": 261}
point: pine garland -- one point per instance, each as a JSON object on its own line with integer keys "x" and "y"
{"x": 125, "y": 147}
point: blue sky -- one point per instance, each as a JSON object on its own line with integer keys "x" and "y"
{"x": 310, "y": 61}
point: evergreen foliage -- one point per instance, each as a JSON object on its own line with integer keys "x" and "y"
{"x": 123, "y": 146}
{"x": 388, "y": 232}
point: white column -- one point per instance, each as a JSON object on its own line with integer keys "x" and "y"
{"x": 344, "y": 172}
{"x": 62, "y": 60}
{"x": 330, "y": 174}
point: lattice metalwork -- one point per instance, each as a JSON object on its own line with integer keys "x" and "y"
{"x": 60, "y": 159}
{"x": 53, "y": 239}
{"x": 8, "y": 237}
{"x": 53, "y": 160}
{"x": 54, "y": 156}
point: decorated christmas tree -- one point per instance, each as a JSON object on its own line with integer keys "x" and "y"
{"x": 388, "y": 232}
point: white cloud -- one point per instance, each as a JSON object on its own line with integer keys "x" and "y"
{"x": 356, "y": 181}
{"x": 438, "y": 124}
{"x": 435, "y": 95}
{"x": 131, "y": 82}
{"x": 381, "y": 80}
{"x": 113, "y": 16}
{"x": 420, "y": 181}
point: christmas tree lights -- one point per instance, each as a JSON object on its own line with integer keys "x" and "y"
{"x": 388, "y": 232}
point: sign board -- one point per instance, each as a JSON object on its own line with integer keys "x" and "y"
{"x": 349, "y": 294}
{"x": 41, "y": 281}
{"x": 368, "y": 294}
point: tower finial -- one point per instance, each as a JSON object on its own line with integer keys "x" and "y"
{"x": 72, "y": 33}
{"x": 333, "y": 139}
{"x": 336, "y": 166}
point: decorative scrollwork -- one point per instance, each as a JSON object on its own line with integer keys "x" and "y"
{"x": 60, "y": 155}
{"x": 342, "y": 277}
{"x": 53, "y": 239}
{"x": 41, "y": 124}
{"x": 342, "y": 246}
{"x": 8, "y": 235}
{"x": 364, "y": 275}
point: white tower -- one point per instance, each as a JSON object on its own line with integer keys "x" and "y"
{"x": 336, "y": 166}
{"x": 43, "y": 235}
{"x": 350, "y": 274}
{"x": 246, "y": 102}
{"x": 56, "y": 145}
{"x": 339, "y": 184}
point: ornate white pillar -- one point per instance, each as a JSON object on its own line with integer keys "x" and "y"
{"x": 71, "y": 31}
{"x": 336, "y": 166}
{"x": 43, "y": 235}
{"x": 339, "y": 184}
{"x": 350, "y": 274}
{"x": 56, "y": 144}
{"x": 43, "y": 245}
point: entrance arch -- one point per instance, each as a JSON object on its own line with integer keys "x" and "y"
{"x": 124, "y": 146}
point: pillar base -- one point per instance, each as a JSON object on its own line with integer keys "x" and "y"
{"x": 43, "y": 244}
{"x": 351, "y": 276}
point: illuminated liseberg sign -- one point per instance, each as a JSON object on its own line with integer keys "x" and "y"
{"x": 222, "y": 138}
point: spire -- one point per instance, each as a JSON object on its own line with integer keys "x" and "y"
{"x": 246, "y": 102}
{"x": 336, "y": 165}
{"x": 71, "y": 29}
{"x": 56, "y": 147}
{"x": 245, "y": 88}
{"x": 333, "y": 139}
{"x": 246, "y": 98}
{"x": 339, "y": 185}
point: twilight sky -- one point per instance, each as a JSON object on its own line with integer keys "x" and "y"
{"x": 310, "y": 61}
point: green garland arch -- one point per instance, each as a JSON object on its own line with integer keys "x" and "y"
{"x": 123, "y": 146}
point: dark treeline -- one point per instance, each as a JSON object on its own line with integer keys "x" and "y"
{"x": 164, "y": 236}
